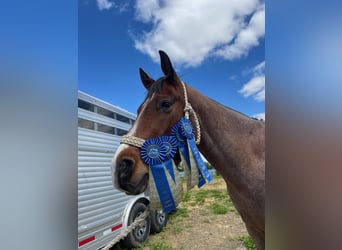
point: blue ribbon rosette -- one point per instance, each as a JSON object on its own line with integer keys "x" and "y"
{"x": 158, "y": 154}
{"x": 184, "y": 154}
{"x": 170, "y": 142}
{"x": 153, "y": 151}
{"x": 185, "y": 134}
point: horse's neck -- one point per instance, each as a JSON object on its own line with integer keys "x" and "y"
{"x": 227, "y": 137}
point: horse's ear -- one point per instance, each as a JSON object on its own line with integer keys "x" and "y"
{"x": 146, "y": 80}
{"x": 166, "y": 65}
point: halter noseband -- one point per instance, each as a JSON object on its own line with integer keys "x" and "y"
{"x": 138, "y": 142}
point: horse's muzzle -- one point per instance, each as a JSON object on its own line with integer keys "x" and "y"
{"x": 124, "y": 174}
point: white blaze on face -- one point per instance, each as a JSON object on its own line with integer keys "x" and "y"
{"x": 113, "y": 165}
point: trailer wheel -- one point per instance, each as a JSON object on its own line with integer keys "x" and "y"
{"x": 140, "y": 233}
{"x": 158, "y": 220}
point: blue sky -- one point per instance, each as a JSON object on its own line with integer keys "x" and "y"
{"x": 216, "y": 46}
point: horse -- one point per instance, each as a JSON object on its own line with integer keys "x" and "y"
{"x": 233, "y": 143}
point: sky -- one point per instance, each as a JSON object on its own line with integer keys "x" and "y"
{"x": 216, "y": 46}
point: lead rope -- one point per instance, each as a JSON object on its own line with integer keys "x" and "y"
{"x": 137, "y": 222}
{"x": 189, "y": 110}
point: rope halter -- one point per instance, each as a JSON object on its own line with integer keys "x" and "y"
{"x": 188, "y": 110}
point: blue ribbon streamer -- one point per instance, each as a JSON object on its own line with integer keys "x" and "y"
{"x": 163, "y": 188}
{"x": 188, "y": 132}
{"x": 182, "y": 143}
{"x": 169, "y": 166}
{"x": 200, "y": 164}
{"x": 170, "y": 142}
{"x": 158, "y": 154}
{"x": 184, "y": 151}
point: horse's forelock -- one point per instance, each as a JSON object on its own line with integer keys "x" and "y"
{"x": 156, "y": 86}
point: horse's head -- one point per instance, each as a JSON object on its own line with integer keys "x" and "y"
{"x": 161, "y": 109}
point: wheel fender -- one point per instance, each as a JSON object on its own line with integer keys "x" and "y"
{"x": 129, "y": 206}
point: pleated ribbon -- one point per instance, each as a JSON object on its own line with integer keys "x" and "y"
{"x": 158, "y": 153}
{"x": 195, "y": 169}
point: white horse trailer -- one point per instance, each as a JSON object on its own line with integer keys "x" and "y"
{"x": 103, "y": 211}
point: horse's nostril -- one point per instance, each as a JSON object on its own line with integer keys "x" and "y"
{"x": 126, "y": 164}
{"x": 125, "y": 168}
{"x": 124, "y": 174}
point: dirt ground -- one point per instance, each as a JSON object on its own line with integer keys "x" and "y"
{"x": 196, "y": 226}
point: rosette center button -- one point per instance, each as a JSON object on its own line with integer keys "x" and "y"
{"x": 153, "y": 151}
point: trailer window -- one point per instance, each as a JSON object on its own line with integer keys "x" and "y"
{"x": 105, "y": 112}
{"x": 106, "y": 129}
{"x": 85, "y": 105}
{"x": 121, "y": 132}
{"x": 83, "y": 123}
{"x": 122, "y": 118}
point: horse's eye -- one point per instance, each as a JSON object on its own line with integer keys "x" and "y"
{"x": 165, "y": 105}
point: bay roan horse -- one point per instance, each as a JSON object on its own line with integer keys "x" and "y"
{"x": 233, "y": 143}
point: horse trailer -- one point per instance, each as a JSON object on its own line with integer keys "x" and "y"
{"x": 103, "y": 211}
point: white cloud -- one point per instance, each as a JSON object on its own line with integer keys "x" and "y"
{"x": 260, "y": 116}
{"x": 104, "y": 4}
{"x": 233, "y": 77}
{"x": 145, "y": 10}
{"x": 124, "y": 7}
{"x": 259, "y": 69}
{"x": 191, "y": 31}
{"x": 247, "y": 37}
{"x": 256, "y": 86}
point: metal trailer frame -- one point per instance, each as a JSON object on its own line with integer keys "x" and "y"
{"x": 103, "y": 211}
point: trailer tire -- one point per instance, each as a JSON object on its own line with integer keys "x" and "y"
{"x": 158, "y": 220}
{"x": 139, "y": 234}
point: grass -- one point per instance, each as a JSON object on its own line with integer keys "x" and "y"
{"x": 206, "y": 220}
{"x": 158, "y": 245}
{"x": 220, "y": 203}
{"x": 201, "y": 195}
{"x": 219, "y": 208}
{"x": 179, "y": 212}
{"x": 248, "y": 242}
{"x": 186, "y": 197}
{"x": 177, "y": 229}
